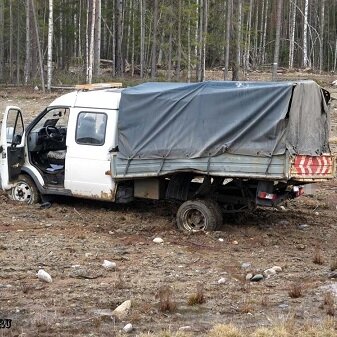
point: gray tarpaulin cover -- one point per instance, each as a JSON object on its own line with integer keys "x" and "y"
{"x": 179, "y": 120}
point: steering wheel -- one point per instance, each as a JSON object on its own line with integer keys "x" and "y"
{"x": 54, "y": 134}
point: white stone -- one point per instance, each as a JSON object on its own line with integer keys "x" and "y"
{"x": 278, "y": 269}
{"x": 128, "y": 328}
{"x": 221, "y": 239}
{"x": 185, "y": 328}
{"x": 44, "y": 276}
{"x": 158, "y": 240}
{"x": 222, "y": 280}
{"x": 249, "y": 276}
{"x": 282, "y": 208}
{"x": 235, "y": 242}
{"x": 269, "y": 272}
{"x": 122, "y": 310}
{"x": 109, "y": 265}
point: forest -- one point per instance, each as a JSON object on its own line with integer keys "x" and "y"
{"x": 46, "y": 42}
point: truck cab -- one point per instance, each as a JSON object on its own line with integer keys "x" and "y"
{"x": 66, "y": 150}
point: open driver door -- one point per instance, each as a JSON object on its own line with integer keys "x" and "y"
{"x": 12, "y": 147}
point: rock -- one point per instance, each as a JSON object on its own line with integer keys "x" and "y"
{"x": 185, "y": 328}
{"x": 235, "y": 242}
{"x": 282, "y": 208}
{"x": 103, "y": 312}
{"x": 158, "y": 240}
{"x": 300, "y": 247}
{"x": 249, "y": 276}
{"x": 36, "y": 88}
{"x": 333, "y": 274}
{"x": 109, "y": 265}
{"x": 283, "y": 306}
{"x": 48, "y": 225}
{"x": 222, "y": 280}
{"x": 303, "y": 226}
{"x": 122, "y": 310}
{"x": 278, "y": 269}
{"x": 246, "y": 265}
{"x": 269, "y": 272}
{"x": 221, "y": 239}
{"x": 257, "y": 278}
{"x": 44, "y": 276}
{"x": 128, "y": 328}
{"x": 284, "y": 223}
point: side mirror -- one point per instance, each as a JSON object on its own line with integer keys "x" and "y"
{"x": 17, "y": 140}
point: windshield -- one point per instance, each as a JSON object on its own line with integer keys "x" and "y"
{"x": 55, "y": 117}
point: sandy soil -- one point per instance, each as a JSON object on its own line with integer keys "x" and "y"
{"x": 71, "y": 239}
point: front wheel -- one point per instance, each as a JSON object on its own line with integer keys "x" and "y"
{"x": 24, "y": 191}
{"x": 199, "y": 215}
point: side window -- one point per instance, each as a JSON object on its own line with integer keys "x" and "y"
{"x": 90, "y": 128}
{"x": 14, "y": 129}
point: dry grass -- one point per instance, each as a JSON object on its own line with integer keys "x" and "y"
{"x": 166, "y": 302}
{"x": 295, "y": 290}
{"x": 228, "y": 330}
{"x": 198, "y": 297}
{"x": 333, "y": 264}
{"x": 275, "y": 331}
{"x": 329, "y": 304}
{"x": 247, "y": 306}
{"x": 318, "y": 256}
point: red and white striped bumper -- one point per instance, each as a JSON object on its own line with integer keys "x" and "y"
{"x": 310, "y": 167}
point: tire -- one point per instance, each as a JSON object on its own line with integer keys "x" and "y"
{"x": 24, "y": 191}
{"x": 199, "y": 215}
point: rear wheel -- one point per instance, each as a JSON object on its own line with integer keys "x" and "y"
{"x": 24, "y": 191}
{"x": 199, "y": 215}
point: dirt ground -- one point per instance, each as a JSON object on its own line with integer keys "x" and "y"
{"x": 71, "y": 239}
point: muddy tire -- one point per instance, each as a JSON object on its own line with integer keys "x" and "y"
{"x": 199, "y": 215}
{"x": 24, "y": 191}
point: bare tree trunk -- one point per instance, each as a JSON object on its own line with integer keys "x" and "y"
{"x": 189, "y": 43}
{"x": 87, "y": 44}
{"x": 249, "y": 28}
{"x": 91, "y": 48}
{"x": 169, "y": 61}
{"x": 142, "y": 38}
{"x": 292, "y": 34}
{"x": 265, "y": 32}
{"x": 28, "y": 59}
{"x": 10, "y": 42}
{"x": 154, "y": 40}
{"x": 277, "y": 38}
{"x": 133, "y": 40}
{"x": 79, "y": 31}
{"x": 38, "y": 46}
{"x": 18, "y": 48}
{"x": 119, "y": 37}
{"x": 97, "y": 41}
{"x": 113, "y": 38}
{"x": 204, "y": 40}
{"x": 305, "y": 34}
{"x": 178, "y": 69}
{"x": 321, "y": 39}
{"x": 200, "y": 39}
{"x": 228, "y": 37}
{"x": 236, "y": 41}
{"x": 2, "y": 46}
{"x": 261, "y": 32}
{"x": 50, "y": 45}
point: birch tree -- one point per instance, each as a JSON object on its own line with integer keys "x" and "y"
{"x": 293, "y": 6}
{"x": 228, "y": 36}
{"x": 277, "y": 38}
{"x": 305, "y": 34}
{"x": 50, "y": 45}
{"x": 91, "y": 48}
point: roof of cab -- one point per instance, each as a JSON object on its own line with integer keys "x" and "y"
{"x": 96, "y": 99}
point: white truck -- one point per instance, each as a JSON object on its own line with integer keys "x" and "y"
{"x": 214, "y": 147}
